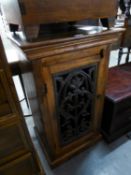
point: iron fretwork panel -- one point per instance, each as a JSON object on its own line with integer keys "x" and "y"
{"x": 75, "y": 91}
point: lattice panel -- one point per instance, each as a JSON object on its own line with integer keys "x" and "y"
{"x": 75, "y": 91}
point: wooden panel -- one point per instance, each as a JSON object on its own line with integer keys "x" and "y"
{"x": 5, "y": 107}
{"x": 22, "y": 166}
{"x": 12, "y": 140}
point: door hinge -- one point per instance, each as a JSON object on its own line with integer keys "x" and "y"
{"x": 102, "y": 53}
{"x": 22, "y": 7}
{"x": 44, "y": 89}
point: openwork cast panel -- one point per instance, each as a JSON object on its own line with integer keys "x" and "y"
{"x": 75, "y": 91}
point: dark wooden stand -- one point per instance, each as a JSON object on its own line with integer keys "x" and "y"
{"x": 117, "y": 108}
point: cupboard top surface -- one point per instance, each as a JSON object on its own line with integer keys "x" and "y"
{"x": 64, "y": 37}
{"x": 46, "y": 48}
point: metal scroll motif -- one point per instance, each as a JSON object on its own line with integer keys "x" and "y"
{"x": 74, "y": 96}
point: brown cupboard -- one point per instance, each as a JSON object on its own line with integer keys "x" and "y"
{"x": 65, "y": 82}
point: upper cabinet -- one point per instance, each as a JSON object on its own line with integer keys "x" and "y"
{"x": 30, "y": 14}
{"x": 48, "y": 11}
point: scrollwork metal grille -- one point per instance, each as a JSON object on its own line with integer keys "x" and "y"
{"x": 75, "y": 92}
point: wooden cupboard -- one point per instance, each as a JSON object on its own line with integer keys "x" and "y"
{"x": 17, "y": 154}
{"x": 64, "y": 68}
{"x": 65, "y": 82}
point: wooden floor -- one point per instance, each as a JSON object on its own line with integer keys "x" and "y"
{"x": 101, "y": 159}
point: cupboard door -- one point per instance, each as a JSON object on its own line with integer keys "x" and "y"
{"x": 70, "y": 101}
{"x": 6, "y": 104}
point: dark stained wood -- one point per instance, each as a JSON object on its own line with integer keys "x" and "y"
{"x": 119, "y": 88}
{"x": 17, "y": 154}
{"x": 117, "y": 107}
